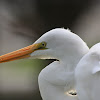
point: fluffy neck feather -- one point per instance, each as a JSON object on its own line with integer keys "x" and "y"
{"x": 54, "y": 80}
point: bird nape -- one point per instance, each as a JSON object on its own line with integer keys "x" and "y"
{"x": 58, "y": 77}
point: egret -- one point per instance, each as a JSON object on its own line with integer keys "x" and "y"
{"x": 58, "y": 77}
{"x": 87, "y": 74}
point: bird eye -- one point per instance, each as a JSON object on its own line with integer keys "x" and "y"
{"x": 43, "y": 44}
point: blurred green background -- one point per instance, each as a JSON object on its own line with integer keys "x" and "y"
{"x": 24, "y": 21}
{"x": 19, "y": 79}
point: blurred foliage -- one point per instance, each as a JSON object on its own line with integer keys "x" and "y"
{"x": 19, "y": 79}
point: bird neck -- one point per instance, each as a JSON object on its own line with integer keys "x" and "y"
{"x": 71, "y": 57}
{"x": 53, "y": 92}
{"x": 52, "y": 82}
{"x": 70, "y": 62}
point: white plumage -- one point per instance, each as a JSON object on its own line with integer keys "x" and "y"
{"x": 87, "y": 75}
{"x": 58, "y": 77}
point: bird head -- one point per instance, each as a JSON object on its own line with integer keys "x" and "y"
{"x": 55, "y": 44}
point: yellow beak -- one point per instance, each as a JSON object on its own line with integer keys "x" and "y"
{"x": 19, "y": 54}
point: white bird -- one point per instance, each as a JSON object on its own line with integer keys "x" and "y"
{"x": 58, "y": 77}
{"x": 87, "y": 75}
